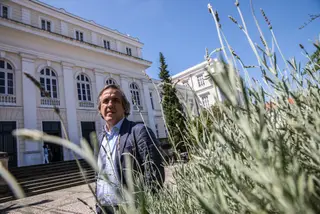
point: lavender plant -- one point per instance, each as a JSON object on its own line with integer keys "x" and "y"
{"x": 263, "y": 155}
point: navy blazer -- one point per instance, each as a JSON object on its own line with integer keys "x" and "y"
{"x": 140, "y": 142}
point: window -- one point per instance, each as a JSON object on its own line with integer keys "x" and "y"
{"x": 4, "y": 11}
{"x": 6, "y": 78}
{"x": 129, "y": 51}
{"x": 79, "y": 35}
{"x": 111, "y": 81}
{"x": 205, "y": 101}
{"x": 200, "y": 80}
{"x": 83, "y": 88}
{"x": 49, "y": 82}
{"x": 106, "y": 44}
{"x": 45, "y": 25}
{"x": 134, "y": 89}
{"x": 151, "y": 100}
{"x": 157, "y": 130}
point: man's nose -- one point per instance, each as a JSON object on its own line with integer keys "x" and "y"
{"x": 110, "y": 103}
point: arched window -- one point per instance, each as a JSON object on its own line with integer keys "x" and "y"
{"x": 83, "y": 88}
{"x": 49, "y": 82}
{"x": 135, "y": 95}
{"x": 6, "y": 78}
{"x": 111, "y": 81}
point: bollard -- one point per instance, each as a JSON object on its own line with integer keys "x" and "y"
{"x": 4, "y": 158}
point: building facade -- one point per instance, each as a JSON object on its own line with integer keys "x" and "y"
{"x": 196, "y": 78}
{"x": 73, "y": 59}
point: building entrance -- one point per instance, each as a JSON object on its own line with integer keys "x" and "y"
{"x": 8, "y": 142}
{"x": 53, "y": 128}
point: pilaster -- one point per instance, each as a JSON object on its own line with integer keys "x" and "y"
{"x": 26, "y": 16}
{"x": 71, "y": 107}
{"x": 64, "y": 28}
{"x": 146, "y": 92}
{"x": 99, "y": 86}
{"x": 32, "y": 154}
{"x": 125, "y": 87}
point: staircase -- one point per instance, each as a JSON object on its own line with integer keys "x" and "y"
{"x": 38, "y": 179}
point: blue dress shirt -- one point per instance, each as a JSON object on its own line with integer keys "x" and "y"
{"x": 107, "y": 190}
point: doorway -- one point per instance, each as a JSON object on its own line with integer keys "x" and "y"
{"x": 53, "y": 128}
{"x": 86, "y": 129}
{"x": 8, "y": 143}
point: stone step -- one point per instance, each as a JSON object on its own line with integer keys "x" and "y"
{"x": 44, "y": 178}
{"x": 41, "y": 191}
{"x": 49, "y": 171}
{"x": 54, "y": 179}
{"x": 48, "y": 185}
{"x": 13, "y": 169}
{"x": 37, "y": 168}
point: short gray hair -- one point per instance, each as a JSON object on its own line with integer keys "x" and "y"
{"x": 125, "y": 102}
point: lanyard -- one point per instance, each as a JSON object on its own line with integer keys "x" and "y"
{"x": 116, "y": 144}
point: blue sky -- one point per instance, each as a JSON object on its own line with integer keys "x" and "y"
{"x": 182, "y": 29}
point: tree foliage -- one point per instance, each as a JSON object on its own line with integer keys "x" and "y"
{"x": 172, "y": 107}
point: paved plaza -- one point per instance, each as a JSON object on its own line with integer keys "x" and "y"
{"x": 61, "y": 201}
{"x": 64, "y": 201}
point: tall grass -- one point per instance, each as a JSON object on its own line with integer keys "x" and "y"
{"x": 261, "y": 154}
{"x": 246, "y": 157}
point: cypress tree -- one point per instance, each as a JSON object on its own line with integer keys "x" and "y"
{"x": 172, "y": 108}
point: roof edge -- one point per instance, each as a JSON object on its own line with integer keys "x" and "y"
{"x": 91, "y": 22}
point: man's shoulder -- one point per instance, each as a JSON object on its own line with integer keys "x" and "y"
{"x": 136, "y": 125}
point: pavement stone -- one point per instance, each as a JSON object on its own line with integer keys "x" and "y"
{"x": 63, "y": 201}
{"x": 57, "y": 202}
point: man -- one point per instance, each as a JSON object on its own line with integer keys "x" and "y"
{"x": 119, "y": 140}
{"x": 46, "y": 151}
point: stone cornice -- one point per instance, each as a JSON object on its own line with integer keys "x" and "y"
{"x": 71, "y": 41}
{"x": 98, "y": 72}
{"x": 65, "y": 16}
{"x": 145, "y": 80}
{"x": 193, "y": 70}
{"x": 67, "y": 64}
{"x": 28, "y": 57}
{"x": 73, "y": 62}
{"x": 125, "y": 77}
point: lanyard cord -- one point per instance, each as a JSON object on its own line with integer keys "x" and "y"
{"x": 117, "y": 144}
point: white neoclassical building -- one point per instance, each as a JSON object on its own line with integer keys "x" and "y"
{"x": 196, "y": 78}
{"x": 73, "y": 59}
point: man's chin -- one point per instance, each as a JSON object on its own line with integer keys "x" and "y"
{"x": 109, "y": 119}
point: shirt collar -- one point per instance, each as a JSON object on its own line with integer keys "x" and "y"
{"x": 115, "y": 129}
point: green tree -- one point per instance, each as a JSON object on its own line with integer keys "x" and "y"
{"x": 172, "y": 108}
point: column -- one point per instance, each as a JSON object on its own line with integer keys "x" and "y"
{"x": 99, "y": 86}
{"x": 32, "y": 151}
{"x": 125, "y": 88}
{"x": 146, "y": 92}
{"x": 71, "y": 107}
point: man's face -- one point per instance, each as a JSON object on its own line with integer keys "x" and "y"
{"x": 111, "y": 106}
